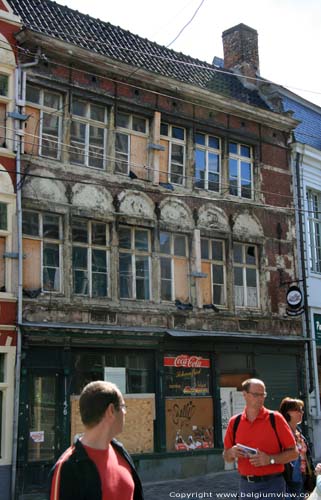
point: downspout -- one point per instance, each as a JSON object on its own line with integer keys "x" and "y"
{"x": 309, "y": 345}
{"x": 20, "y": 93}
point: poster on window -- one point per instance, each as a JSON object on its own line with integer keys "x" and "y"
{"x": 189, "y": 424}
{"x": 186, "y": 375}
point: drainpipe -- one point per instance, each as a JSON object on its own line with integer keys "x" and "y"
{"x": 310, "y": 347}
{"x": 20, "y": 93}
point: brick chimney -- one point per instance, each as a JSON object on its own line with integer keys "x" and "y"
{"x": 241, "y": 51}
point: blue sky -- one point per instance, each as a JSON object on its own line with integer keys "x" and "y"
{"x": 289, "y": 31}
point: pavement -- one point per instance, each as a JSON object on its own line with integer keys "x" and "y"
{"x": 217, "y": 485}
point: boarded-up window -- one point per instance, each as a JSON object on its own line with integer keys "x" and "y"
{"x": 31, "y": 264}
{"x": 31, "y": 142}
{"x": 138, "y": 156}
{"x": 2, "y": 125}
{"x": 2, "y": 264}
{"x": 131, "y": 145}
{"x": 43, "y": 127}
{"x": 174, "y": 267}
{"x": 42, "y": 251}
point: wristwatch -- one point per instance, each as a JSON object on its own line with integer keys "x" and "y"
{"x": 272, "y": 461}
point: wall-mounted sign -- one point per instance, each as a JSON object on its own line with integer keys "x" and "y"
{"x": 317, "y": 328}
{"x": 187, "y": 375}
{"x": 294, "y": 300}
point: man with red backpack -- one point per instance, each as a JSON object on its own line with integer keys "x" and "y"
{"x": 261, "y": 442}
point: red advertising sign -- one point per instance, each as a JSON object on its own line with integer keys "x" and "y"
{"x": 186, "y": 361}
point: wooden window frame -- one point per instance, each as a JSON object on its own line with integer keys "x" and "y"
{"x": 135, "y": 253}
{"x": 133, "y": 137}
{"x": 239, "y": 159}
{"x": 89, "y": 122}
{"x": 211, "y": 261}
{"x": 171, "y": 141}
{"x": 91, "y": 247}
{"x": 38, "y": 136}
{"x": 42, "y": 243}
{"x": 175, "y": 268}
{"x": 246, "y": 266}
{"x": 207, "y": 149}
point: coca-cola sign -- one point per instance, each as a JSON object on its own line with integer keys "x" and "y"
{"x": 186, "y": 361}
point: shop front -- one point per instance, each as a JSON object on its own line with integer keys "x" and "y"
{"x": 180, "y": 390}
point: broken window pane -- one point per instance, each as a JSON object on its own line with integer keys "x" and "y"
{"x": 99, "y": 273}
{"x": 139, "y": 124}
{"x": 80, "y": 274}
{"x": 51, "y": 100}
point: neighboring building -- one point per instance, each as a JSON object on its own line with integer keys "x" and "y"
{"x": 8, "y": 248}
{"x": 158, "y": 234}
{"x": 306, "y": 160}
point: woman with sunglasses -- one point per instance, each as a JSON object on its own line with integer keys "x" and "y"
{"x": 292, "y": 410}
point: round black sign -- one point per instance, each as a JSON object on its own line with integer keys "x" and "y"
{"x": 294, "y": 297}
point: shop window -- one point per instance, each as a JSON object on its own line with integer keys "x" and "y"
{"x": 314, "y": 224}
{"x": 131, "y": 145}
{"x": 240, "y": 170}
{"x": 189, "y": 403}
{"x": 245, "y": 265}
{"x": 214, "y": 266}
{"x": 174, "y": 267}
{"x": 172, "y": 158}
{"x": 43, "y": 127}
{"x": 134, "y": 263}
{"x": 91, "y": 366}
{"x": 88, "y": 134}
{"x": 42, "y": 248}
{"x": 42, "y": 418}
{"x": 207, "y": 162}
{"x": 90, "y": 258}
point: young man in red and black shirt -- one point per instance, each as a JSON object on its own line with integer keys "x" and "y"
{"x": 274, "y": 445}
{"x": 97, "y": 467}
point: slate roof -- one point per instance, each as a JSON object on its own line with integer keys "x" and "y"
{"x": 63, "y": 23}
{"x": 309, "y": 130}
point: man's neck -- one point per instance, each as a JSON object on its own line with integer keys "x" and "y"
{"x": 251, "y": 413}
{"x": 96, "y": 438}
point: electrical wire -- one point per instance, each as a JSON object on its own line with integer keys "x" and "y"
{"x": 204, "y": 65}
{"x": 187, "y": 24}
{"x": 80, "y": 151}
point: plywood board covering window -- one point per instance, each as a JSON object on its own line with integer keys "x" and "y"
{"x": 2, "y": 263}
{"x": 31, "y": 266}
{"x": 163, "y": 163}
{"x": 31, "y": 144}
{"x": 138, "y": 156}
{"x": 206, "y": 285}
{"x": 181, "y": 281}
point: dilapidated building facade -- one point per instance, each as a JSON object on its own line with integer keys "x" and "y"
{"x": 158, "y": 239}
